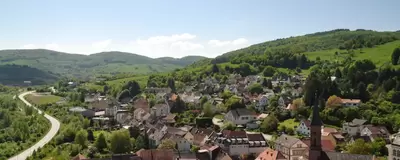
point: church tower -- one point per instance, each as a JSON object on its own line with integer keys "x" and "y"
{"x": 316, "y": 123}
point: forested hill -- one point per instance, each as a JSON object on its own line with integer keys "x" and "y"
{"x": 77, "y": 65}
{"x": 16, "y": 75}
{"x": 336, "y": 39}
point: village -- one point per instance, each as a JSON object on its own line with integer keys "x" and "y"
{"x": 229, "y": 133}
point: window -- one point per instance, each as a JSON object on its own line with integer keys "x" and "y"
{"x": 298, "y": 145}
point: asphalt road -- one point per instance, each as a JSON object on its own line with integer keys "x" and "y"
{"x": 55, "y": 126}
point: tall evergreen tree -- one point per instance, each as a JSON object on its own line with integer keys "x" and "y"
{"x": 395, "y": 56}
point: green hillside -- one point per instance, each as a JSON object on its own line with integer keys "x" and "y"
{"x": 16, "y": 75}
{"x": 335, "y": 39}
{"x": 107, "y": 63}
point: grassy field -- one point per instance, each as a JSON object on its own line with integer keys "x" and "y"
{"x": 43, "y": 99}
{"x": 379, "y": 54}
{"x": 289, "y": 123}
{"x": 219, "y": 116}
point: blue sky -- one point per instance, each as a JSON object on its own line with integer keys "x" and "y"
{"x": 176, "y": 28}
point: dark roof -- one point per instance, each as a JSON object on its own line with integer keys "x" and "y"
{"x": 234, "y": 134}
{"x": 255, "y": 137}
{"x": 307, "y": 122}
{"x": 344, "y": 156}
{"x": 379, "y": 130}
{"x": 204, "y": 131}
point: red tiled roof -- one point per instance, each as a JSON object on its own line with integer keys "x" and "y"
{"x": 327, "y": 145}
{"x": 270, "y": 154}
{"x": 159, "y": 154}
{"x": 307, "y": 122}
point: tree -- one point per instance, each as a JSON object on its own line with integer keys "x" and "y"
{"x": 207, "y": 110}
{"x": 226, "y": 94}
{"x": 81, "y": 138}
{"x": 133, "y": 87}
{"x": 229, "y": 126}
{"x": 140, "y": 143}
{"x": 101, "y": 142}
{"x": 203, "y": 100}
{"x": 338, "y": 73}
{"x": 215, "y": 68}
{"x": 105, "y": 89}
{"x": 134, "y": 131}
{"x": 269, "y": 124}
{"x": 124, "y": 94}
{"x": 167, "y": 144}
{"x": 256, "y": 88}
{"x": 395, "y": 56}
{"x": 362, "y": 92}
{"x": 269, "y": 71}
{"x": 333, "y": 102}
{"x": 234, "y": 103}
{"x": 120, "y": 142}
{"x": 359, "y": 147}
{"x": 194, "y": 148}
{"x": 297, "y": 103}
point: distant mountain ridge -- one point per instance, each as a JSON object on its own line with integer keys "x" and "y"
{"x": 78, "y": 65}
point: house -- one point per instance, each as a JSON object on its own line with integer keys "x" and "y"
{"x": 240, "y": 116}
{"x": 141, "y": 114}
{"x": 123, "y": 116}
{"x": 351, "y": 102}
{"x": 239, "y": 142}
{"x": 354, "y": 127}
{"x": 292, "y": 148}
{"x": 157, "y": 90}
{"x": 257, "y": 143}
{"x": 83, "y": 111}
{"x": 283, "y": 101}
{"x": 270, "y": 154}
{"x": 156, "y": 154}
{"x": 332, "y": 135}
{"x": 160, "y": 110}
{"x": 394, "y": 148}
{"x": 263, "y": 101}
{"x": 169, "y": 119}
{"x": 211, "y": 153}
{"x": 304, "y": 127}
{"x": 140, "y": 103}
{"x": 182, "y": 144}
{"x": 375, "y": 132}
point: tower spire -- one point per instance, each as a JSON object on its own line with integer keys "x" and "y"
{"x": 316, "y": 119}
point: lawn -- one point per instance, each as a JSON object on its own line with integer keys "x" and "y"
{"x": 378, "y": 54}
{"x": 42, "y": 99}
{"x": 289, "y": 123}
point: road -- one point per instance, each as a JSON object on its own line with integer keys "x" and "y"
{"x": 55, "y": 126}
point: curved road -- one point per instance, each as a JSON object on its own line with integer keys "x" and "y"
{"x": 55, "y": 126}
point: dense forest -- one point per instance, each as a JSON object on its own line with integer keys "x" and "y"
{"x": 16, "y": 75}
{"x": 20, "y": 126}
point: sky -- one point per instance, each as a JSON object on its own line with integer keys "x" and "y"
{"x": 177, "y": 28}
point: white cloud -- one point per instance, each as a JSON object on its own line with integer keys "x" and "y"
{"x": 29, "y": 46}
{"x": 101, "y": 45}
{"x": 177, "y": 45}
{"x": 52, "y": 46}
{"x": 219, "y": 43}
{"x": 159, "y": 40}
{"x": 186, "y": 46}
{"x": 240, "y": 41}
